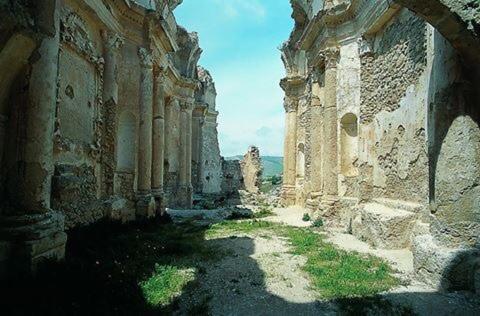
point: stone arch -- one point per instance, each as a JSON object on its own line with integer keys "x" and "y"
{"x": 126, "y": 136}
{"x": 348, "y": 144}
{"x": 301, "y": 160}
{"x": 454, "y": 124}
{"x": 457, "y": 20}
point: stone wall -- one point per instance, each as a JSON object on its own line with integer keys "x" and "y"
{"x": 396, "y": 61}
{"x": 210, "y": 164}
{"x": 211, "y": 175}
{"x": 232, "y": 180}
{"x": 392, "y": 114}
{"x": 390, "y": 128}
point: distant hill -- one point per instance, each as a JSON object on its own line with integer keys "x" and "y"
{"x": 272, "y": 165}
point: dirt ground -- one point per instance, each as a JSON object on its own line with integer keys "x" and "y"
{"x": 260, "y": 276}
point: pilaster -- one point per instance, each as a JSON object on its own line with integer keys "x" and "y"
{"x": 330, "y": 155}
{"x": 113, "y": 44}
{"x": 145, "y": 201}
{"x": 185, "y": 188}
{"x": 158, "y": 143}
{"x": 290, "y": 160}
{"x": 316, "y": 140}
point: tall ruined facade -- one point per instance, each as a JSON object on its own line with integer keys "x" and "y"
{"x": 104, "y": 113}
{"x": 208, "y": 174}
{"x": 382, "y": 128}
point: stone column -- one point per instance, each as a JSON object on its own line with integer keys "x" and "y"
{"x": 113, "y": 43}
{"x": 185, "y": 190}
{"x": 197, "y": 123}
{"x": 189, "y": 146}
{"x": 316, "y": 137}
{"x": 200, "y": 169}
{"x": 145, "y": 201}
{"x": 158, "y": 145}
{"x": 31, "y": 229}
{"x": 330, "y": 158}
{"x": 290, "y": 151}
{"x": 171, "y": 184}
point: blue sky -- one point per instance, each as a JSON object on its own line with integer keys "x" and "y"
{"x": 240, "y": 40}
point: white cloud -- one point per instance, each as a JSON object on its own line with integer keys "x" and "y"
{"x": 234, "y": 8}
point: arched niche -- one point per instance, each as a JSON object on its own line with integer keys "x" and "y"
{"x": 126, "y": 142}
{"x": 348, "y": 144}
{"x": 301, "y": 161}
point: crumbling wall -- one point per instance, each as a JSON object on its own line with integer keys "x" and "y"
{"x": 251, "y": 165}
{"x": 392, "y": 113}
{"x": 211, "y": 168}
{"x": 232, "y": 180}
{"x": 210, "y": 161}
{"x": 397, "y": 59}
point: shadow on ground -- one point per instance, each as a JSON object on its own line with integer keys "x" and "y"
{"x": 107, "y": 261}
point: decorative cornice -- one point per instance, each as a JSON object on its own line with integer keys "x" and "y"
{"x": 345, "y": 21}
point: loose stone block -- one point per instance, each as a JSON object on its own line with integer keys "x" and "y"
{"x": 384, "y": 227}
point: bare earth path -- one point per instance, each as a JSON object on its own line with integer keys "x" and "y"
{"x": 259, "y": 276}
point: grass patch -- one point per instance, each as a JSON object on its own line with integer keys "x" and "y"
{"x": 337, "y": 273}
{"x": 231, "y": 227}
{"x": 165, "y": 284}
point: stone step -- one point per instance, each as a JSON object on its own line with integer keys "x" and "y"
{"x": 400, "y": 204}
{"x": 383, "y": 226}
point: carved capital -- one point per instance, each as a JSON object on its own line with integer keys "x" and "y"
{"x": 146, "y": 59}
{"x": 290, "y": 105}
{"x": 186, "y": 106}
{"x": 331, "y": 55}
{"x": 113, "y": 41}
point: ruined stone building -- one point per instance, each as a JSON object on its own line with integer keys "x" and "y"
{"x": 207, "y": 163}
{"x": 382, "y": 125}
{"x": 251, "y": 166}
{"x": 103, "y": 113}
